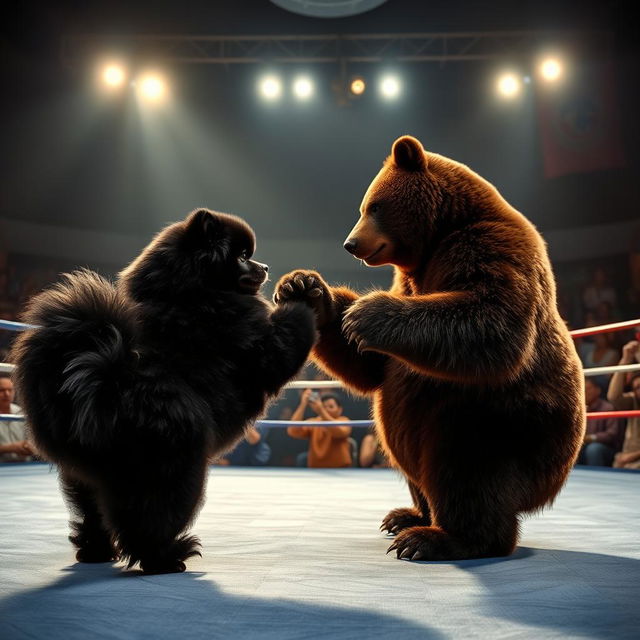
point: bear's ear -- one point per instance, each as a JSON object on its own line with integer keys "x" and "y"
{"x": 409, "y": 154}
{"x": 205, "y": 225}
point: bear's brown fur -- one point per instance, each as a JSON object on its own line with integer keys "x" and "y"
{"x": 478, "y": 392}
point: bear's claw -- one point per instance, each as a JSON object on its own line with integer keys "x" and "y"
{"x": 413, "y": 544}
{"x": 433, "y": 543}
{"x": 399, "y": 519}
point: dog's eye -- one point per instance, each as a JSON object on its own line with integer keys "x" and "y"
{"x": 244, "y": 256}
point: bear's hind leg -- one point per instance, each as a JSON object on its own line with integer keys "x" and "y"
{"x": 89, "y": 534}
{"x": 404, "y": 517}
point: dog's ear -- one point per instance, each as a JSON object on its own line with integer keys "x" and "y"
{"x": 205, "y": 227}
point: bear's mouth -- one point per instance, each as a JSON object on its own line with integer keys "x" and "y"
{"x": 376, "y": 252}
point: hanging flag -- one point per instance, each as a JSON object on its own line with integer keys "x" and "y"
{"x": 579, "y": 126}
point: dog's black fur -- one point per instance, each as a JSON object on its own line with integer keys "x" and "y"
{"x": 131, "y": 389}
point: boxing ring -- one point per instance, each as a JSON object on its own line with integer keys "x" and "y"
{"x": 294, "y": 553}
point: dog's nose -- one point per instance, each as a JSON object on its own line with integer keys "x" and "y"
{"x": 350, "y": 245}
{"x": 265, "y": 267}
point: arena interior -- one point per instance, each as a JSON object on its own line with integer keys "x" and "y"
{"x": 121, "y": 118}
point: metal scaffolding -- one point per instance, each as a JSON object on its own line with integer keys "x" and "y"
{"x": 345, "y": 49}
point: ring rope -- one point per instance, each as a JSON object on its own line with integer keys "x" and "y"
{"x": 16, "y": 326}
{"x": 315, "y": 423}
{"x": 595, "y": 415}
{"x": 316, "y": 384}
{"x": 635, "y": 413}
{"x": 15, "y": 417}
{"x": 605, "y": 328}
{"x": 618, "y": 368}
{"x": 5, "y": 367}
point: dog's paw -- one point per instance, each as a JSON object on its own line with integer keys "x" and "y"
{"x": 94, "y": 546}
{"x": 307, "y": 287}
{"x": 155, "y": 566}
{"x": 96, "y": 554}
{"x": 171, "y": 559}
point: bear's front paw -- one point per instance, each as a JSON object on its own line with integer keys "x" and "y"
{"x": 307, "y": 287}
{"x": 367, "y": 321}
{"x": 399, "y": 519}
{"x": 431, "y": 543}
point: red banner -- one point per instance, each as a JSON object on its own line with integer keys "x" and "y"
{"x": 579, "y": 125}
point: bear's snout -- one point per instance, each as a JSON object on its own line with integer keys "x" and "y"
{"x": 350, "y": 244}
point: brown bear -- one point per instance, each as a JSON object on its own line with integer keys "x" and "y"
{"x": 477, "y": 388}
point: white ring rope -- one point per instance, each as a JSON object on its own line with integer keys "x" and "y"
{"x": 315, "y": 384}
{"x": 5, "y": 367}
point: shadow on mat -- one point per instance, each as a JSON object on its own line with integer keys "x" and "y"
{"x": 571, "y": 593}
{"x": 100, "y": 601}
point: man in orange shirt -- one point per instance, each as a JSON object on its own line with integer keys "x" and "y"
{"x": 328, "y": 446}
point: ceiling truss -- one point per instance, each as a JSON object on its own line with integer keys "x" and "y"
{"x": 308, "y": 49}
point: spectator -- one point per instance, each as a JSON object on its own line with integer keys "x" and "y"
{"x": 604, "y": 435}
{"x": 283, "y": 448}
{"x": 371, "y": 455}
{"x": 634, "y": 269}
{"x": 599, "y": 353}
{"x": 14, "y": 447}
{"x": 599, "y": 290}
{"x": 328, "y": 446}
{"x": 251, "y": 451}
{"x": 285, "y": 413}
{"x": 629, "y": 457}
{"x": 604, "y": 313}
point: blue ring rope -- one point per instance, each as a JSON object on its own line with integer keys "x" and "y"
{"x": 16, "y": 326}
{"x": 15, "y": 417}
{"x": 315, "y": 423}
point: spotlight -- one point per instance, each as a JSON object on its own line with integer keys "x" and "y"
{"x": 270, "y": 87}
{"x": 113, "y": 75}
{"x": 357, "y": 86}
{"x": 550, "y": 69}
{"x": 302, "y": 88}
{"x": 509, "y": 85}
{"x": 152, "y": 87}
{"x": 390, "y": 87}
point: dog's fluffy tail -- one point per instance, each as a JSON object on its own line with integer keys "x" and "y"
{"x": 70, "y": 369}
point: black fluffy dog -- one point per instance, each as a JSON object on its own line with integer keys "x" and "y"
{"x": 130, "y": 389}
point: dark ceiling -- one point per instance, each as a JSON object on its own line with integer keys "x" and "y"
{"x": 69, "y": 159}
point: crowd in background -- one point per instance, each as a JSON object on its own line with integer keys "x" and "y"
{"x": 590, "y": 293}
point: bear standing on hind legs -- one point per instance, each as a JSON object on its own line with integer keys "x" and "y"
{"x": 477, "y": 388}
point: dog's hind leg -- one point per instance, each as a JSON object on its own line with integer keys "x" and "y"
{"x": 151, "y": 515}
{"x": 89, "y": 532}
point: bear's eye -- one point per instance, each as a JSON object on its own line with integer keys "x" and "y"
{"x": 374, "y": 208}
